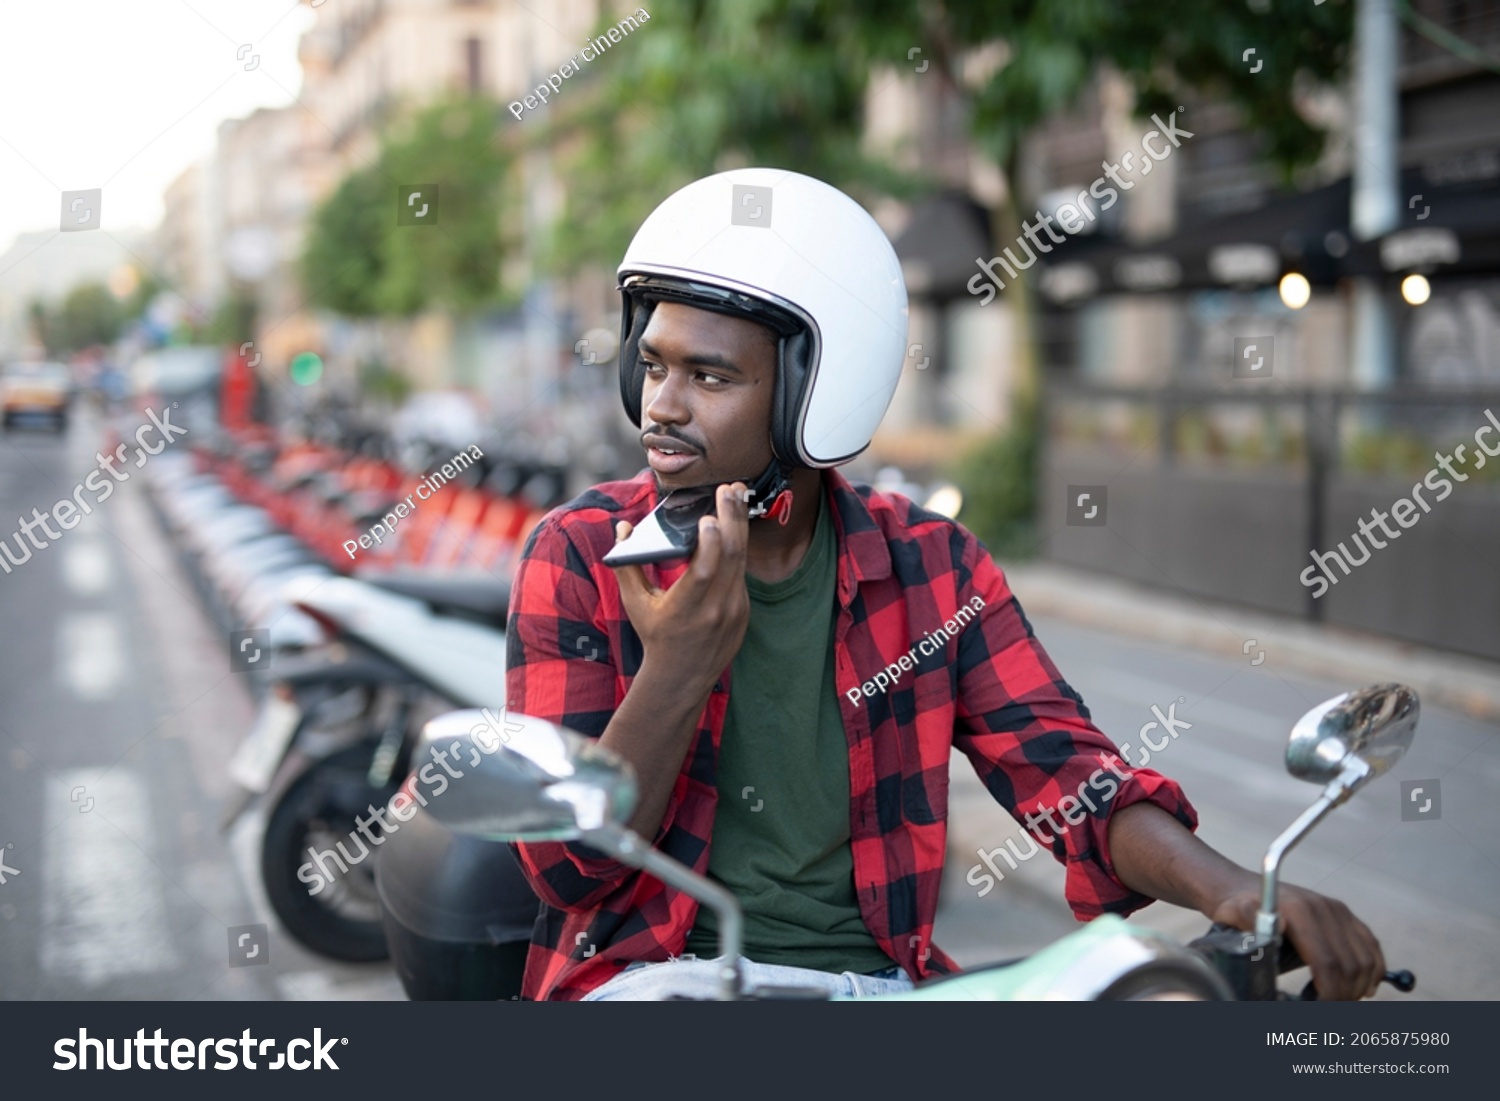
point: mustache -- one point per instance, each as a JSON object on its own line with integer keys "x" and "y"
{"x": 673, "y": 434}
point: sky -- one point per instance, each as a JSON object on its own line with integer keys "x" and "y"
{"x": 124, "y": 94}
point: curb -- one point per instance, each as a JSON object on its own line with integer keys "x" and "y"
{"x": 1465, "y": 683}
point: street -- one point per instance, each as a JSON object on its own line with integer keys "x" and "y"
{"x": 118, "y": 713}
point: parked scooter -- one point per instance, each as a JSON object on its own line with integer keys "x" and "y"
{"x": 335, "y": 734}
{"x": 542, "y": 782}
{"x": 262, "y": 526}
{"x": 234, "y": 554}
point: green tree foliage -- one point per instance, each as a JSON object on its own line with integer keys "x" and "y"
{"x": 39, "y": 320}
{"x": 359, "y": 261}
{"x": 343, "y": 261}
{"x": 232, "y": 323}
{"x": 703, "y": 87}
{"x": 454, "y": 263}
{"x": 147, "y": 287}
{"x": 89, "y": 315}
{"x": 1054, "y": 48}
{"x": 998, "y": 479}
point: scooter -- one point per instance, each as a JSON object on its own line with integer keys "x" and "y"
{"x": 356, "y": 666}
{"x": 335, "y": 733}
{"x": 539, "y": 781}
{"x": 233, "y": 553}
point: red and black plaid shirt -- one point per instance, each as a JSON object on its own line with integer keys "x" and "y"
{"x": 991, "y": 691}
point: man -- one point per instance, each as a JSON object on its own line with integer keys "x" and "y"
{"x": 790, "y": 695}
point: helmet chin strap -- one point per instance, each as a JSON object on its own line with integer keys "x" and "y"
{"x": 771, "y": 494}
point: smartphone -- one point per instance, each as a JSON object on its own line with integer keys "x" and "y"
{"x": 668, "y": 531}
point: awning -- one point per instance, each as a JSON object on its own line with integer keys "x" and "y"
{"x": 948, "y": 230}
{"x": 1445, "y": 229}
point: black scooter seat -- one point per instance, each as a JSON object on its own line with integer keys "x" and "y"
{"x": 477, "y": 596}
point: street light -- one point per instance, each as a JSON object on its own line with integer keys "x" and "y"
{"x": 123, "y": 281}
{"x": 1415, "y": 289}
{"x": 1295, "y": 290}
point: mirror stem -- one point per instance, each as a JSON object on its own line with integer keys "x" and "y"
{"x": 627, "y": 847}
{"x": 1338, "y": 791}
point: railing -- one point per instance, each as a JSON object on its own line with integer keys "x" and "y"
{"x": 1226, "y": 492}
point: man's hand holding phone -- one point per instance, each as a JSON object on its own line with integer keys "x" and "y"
{"x": 695, "y": 628}
{"x": 690, "y": 633}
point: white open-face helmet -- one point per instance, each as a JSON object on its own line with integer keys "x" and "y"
{"x": 800, "y": 257}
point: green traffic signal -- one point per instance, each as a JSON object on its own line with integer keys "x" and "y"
{"x": 306, "y": 368}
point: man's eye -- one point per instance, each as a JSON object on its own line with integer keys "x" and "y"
{"x": 655, "y": 369}
{"x": 712, "y": 380}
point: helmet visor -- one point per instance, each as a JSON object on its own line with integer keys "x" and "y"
{"x": 652, "y": 289}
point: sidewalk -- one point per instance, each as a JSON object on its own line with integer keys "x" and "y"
{"x": 1467, "y": 684}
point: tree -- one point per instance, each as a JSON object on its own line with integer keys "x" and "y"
{"x": 699, "y": 88}
{"x": 40, "y": 322}
{"x": 233, "y": 322}
{"x": 343, "y": 260}
{"x": 361, "y": 261}
{"x": 454, "y": 263}
{"x": 89, "y": 315}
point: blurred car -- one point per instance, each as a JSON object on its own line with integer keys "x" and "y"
{"x": 35, "y": 390}
{"x": 176, "y": 371}
{"x": 185, "y": 375}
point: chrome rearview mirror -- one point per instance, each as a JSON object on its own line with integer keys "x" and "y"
{"x": 1360, "y": 733}
{"x": 516, "y": 778}
{"x": 1343, "y": 743}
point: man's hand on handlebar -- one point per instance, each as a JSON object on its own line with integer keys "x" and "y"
{"x": 1344, "y": 955}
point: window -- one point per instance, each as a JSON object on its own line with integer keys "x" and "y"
{"x": 473, "y": 65}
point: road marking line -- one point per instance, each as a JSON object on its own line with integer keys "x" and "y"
{"x": 103, "y": 912}
{"x": 85, "y": 567}
{"x": 90, "y": 659}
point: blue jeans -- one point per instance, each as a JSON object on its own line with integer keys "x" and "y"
{"x": 690, "y": 977}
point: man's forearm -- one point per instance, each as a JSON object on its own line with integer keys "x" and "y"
{"x": 653, "y": 729}
{"x": 1157, "y": 855}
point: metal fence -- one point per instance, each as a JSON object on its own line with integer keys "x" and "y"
{"x": 1226, "y": 493}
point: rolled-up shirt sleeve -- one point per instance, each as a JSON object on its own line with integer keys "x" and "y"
{"x": 1032, "y": 742}
{"x": 559, "y": 667}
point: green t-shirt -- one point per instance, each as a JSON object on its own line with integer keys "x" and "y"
{"x": 781, "y": 830}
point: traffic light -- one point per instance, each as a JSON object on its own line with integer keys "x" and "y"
{"x": 306, "y": 368}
